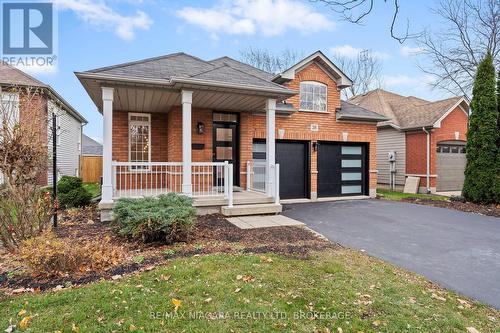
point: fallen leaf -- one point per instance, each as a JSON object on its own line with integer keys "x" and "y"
{"x": 23, "y": 324}
{"x": 116, "y": 277}
{"x": 248, "y": 278}
{"x": 237, "y": 290}
{"x": 22, "y": 312}
{"x": 376, "y": 323}
{"x": 208, "y": 300}
{"x": 239, "y": 277}
{"x": 132, "y": 328}
{"x": 340, "y": 330}
{"x": 75, "y": 328}
{"x": 265, "y": 259}
{"x": 472, "y": 330}
{"x": 139, "y": 286}
{"x": 465, "y": 303}
{"x": 10, "y": 329}
{"x": 177, "y": 303}
{"x": 440, "y": 298}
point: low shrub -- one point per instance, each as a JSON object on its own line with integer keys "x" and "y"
{"x": 166, "y": 218}
{"x": 48, "y": 255}
{"x": 71, "y": 192}
{"x": 25, "y": 212}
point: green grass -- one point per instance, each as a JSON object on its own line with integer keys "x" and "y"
{"x": 347, "y": 288}
{"x": 398, "y": 196}
{"x": 93, "y": 188}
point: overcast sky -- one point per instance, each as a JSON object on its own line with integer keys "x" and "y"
{"x": 94, "y": 33}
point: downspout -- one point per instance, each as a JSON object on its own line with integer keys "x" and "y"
{"x": 428, "y": 162}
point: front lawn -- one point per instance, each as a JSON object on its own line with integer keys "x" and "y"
{"x": 398, "y": 196}
{"x": 93, "y": 188}
{"x": 332, "y": 291}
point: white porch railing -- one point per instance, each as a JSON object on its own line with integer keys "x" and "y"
{"x": 256, "y": 176}
{"x": 140, "y": 179}
{"x": 208, "y": 179}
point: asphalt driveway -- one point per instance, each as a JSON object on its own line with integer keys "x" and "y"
{"x": 459, "y": 251}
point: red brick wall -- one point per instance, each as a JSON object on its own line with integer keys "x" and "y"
{"x": 297, "y": 127}
{"x": 416, "y": 143}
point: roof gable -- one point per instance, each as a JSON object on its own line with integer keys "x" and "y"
{"x": 407, "y": 112}
{"x": 326, "y": 64}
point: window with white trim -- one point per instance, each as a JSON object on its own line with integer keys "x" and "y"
{"x": 10, "y": 107}
{"x": 313, "y": 96}
{"x": 139, "y": 127}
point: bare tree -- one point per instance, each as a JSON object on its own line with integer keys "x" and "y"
{"x": 355, "y": 11}
{"x": 269, "y": 61}
{"x": 453, "y": 54}
{"x": 24, "y": 208}
{"x": 364, "y": 70}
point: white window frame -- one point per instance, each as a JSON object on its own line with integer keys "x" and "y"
{"x": 131, "y": 122}
{"x": 13, "y": 98}
{"x": 317, "y": 84}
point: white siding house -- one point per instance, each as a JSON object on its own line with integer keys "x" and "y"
{"x": 69, "y": 142}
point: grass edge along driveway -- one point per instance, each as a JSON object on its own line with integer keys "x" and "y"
{"x": 216, "y": 293}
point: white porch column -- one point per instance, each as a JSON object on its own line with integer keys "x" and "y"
{"x": 187, "y": 99}
{"x": 270, "y": 144}
{"x": 107, "y": 145}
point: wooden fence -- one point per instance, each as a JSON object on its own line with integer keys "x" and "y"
{"x": 91, "y": 169}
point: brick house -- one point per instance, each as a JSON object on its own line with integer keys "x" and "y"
{"x": 14, "y": 85}
{"x": 231, "y": 135}
{"x": 426, "y": 139}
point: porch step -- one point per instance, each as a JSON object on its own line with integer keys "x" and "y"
{"x": 252, "y": 209}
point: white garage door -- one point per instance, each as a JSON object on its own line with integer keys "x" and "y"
{"x": 450, "y": 166}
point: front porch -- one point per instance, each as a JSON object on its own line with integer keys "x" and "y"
{"x": 148, "y": 146}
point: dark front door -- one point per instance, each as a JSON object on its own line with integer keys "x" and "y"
{"x": 342, "y": 169}
{"x": 225, "y": 148}
{"x": 292, "y": 156}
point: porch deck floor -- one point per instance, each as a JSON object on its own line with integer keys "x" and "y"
{"x": 239, "y": 196}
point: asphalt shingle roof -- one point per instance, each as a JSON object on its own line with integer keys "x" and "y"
{"x": 351, "y": 111}
{"x": 182, "y": 65}
{"x": 404, "y": 111}
{"x": 13, "y": 76}
{"x": 90, "y": 147}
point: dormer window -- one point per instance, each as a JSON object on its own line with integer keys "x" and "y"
{"x": 312, "y": 96}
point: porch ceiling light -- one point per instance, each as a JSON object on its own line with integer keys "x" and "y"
{"x": 200, "y": 128}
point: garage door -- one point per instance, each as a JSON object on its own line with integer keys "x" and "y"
{"x": 293, "y": 158}
{"x": 450, "y": 166}
{"x": 342, "y": 169}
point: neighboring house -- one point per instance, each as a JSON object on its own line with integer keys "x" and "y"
{"x": 91, "y": 161}
{"x": 428, "y": 139}
{"x": 178, "y": 123}
{"x": 69, "y": 121}
{"x": 91, "y": 147}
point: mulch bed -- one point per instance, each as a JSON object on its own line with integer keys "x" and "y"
{"x": 490, "y": 210}
{"x": 212, "y": 234}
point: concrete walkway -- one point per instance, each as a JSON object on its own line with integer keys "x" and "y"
{"x": 458, "y": 250}
{"x": 450, "y": 193}
{"x": 263, "y": 221}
